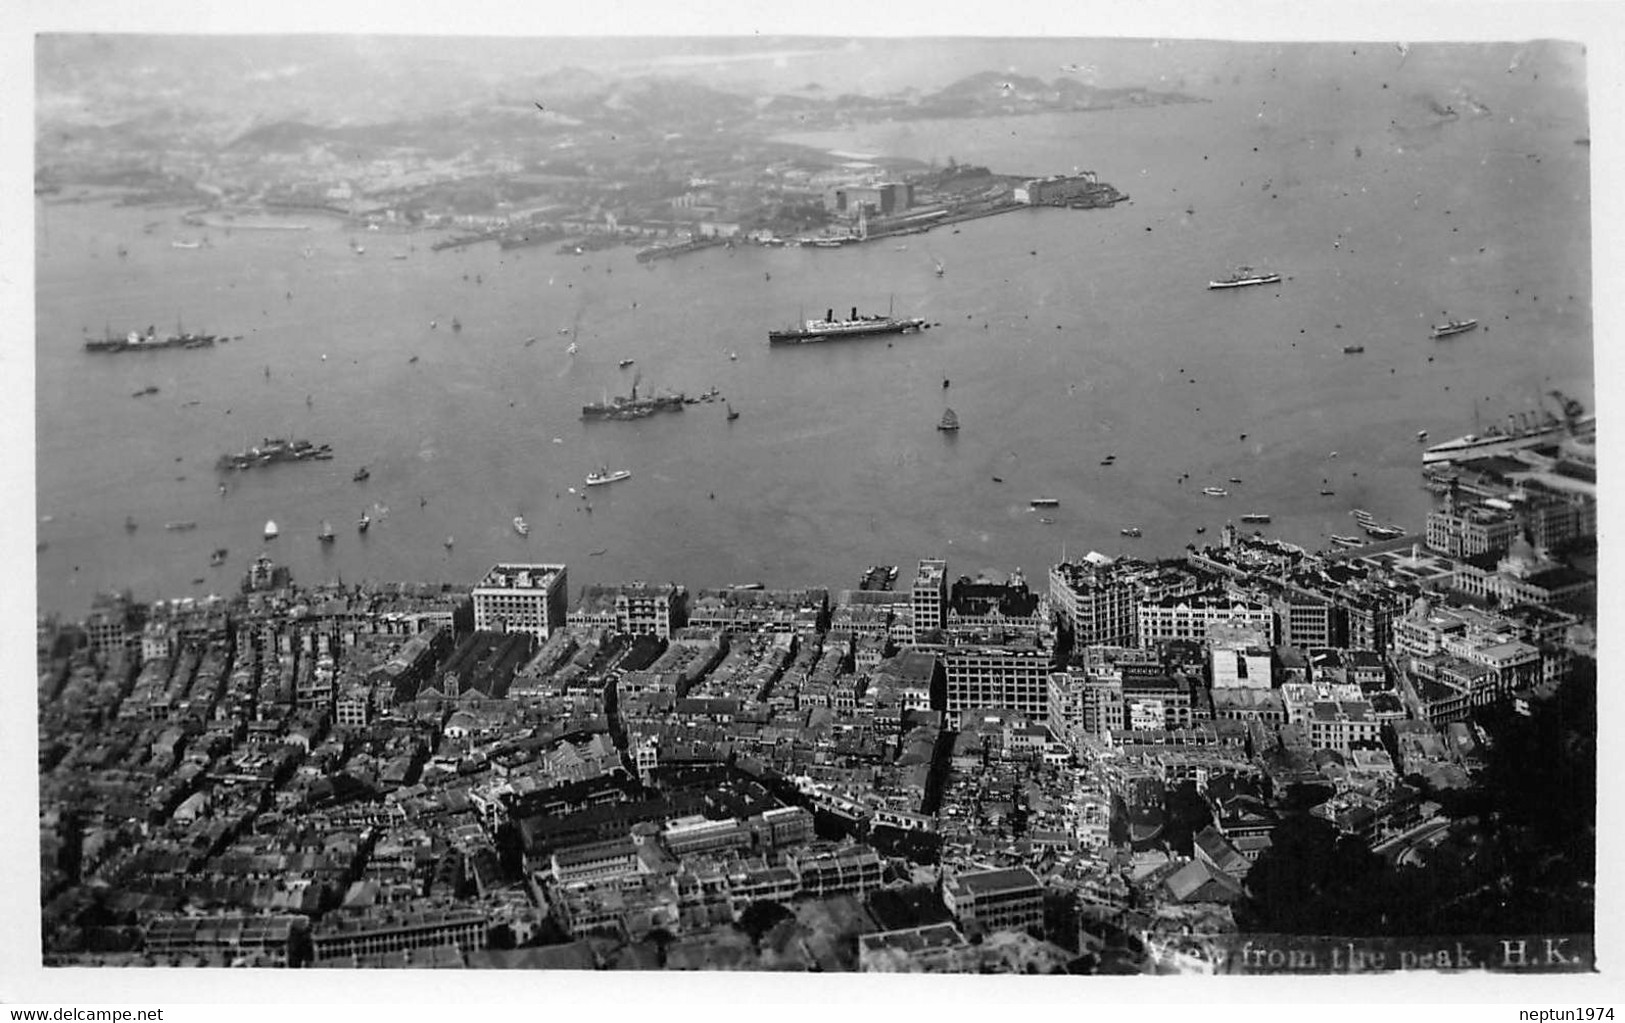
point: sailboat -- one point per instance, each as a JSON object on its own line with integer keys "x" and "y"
{"x": 950, "y": 421}
{"x": 270, "y": 529}
{"x": 449, "y": 543}
{"x": 732, "y": 415}
{"x": 326, "y": 535}
{"x": 940, "y": 271}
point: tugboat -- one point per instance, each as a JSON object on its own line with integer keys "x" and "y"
{"x": 363, "y": 522}
{"x": 1452, "y": 327}
{"x": 361, "y": 474}
{"x": 218, "y": 558}
{"x": 1215, "y": 492}
{"x": 1130, "y": 531}
{"x": 950, "y": 422}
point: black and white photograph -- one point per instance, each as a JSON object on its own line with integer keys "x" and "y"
{"x": 1013, "y": 500}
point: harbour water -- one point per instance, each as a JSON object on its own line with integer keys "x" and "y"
{"x": 1063, "y": 337}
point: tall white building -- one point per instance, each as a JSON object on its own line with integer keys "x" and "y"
{"x": 521, "y": 598}
{"x": 1241, "y": 657}
{"x": 930, "y": 596}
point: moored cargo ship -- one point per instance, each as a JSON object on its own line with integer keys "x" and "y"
{"x": 1523, "y": 430}
{"x": 1452, "y": 327}
{"x": 631, "y": 406}
{"x": 1245, "y": 276}
{"x": 829, "y": 328}
{"x": 135, "y": 341}
{"x": 276, "y": 449}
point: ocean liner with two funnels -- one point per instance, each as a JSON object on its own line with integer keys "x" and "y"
{"x": 831, "y": 329}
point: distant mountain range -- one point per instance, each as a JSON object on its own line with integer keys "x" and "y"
{"x": 285, "y": 95}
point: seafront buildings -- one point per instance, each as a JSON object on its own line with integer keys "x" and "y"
{"x": 961, "y": 774}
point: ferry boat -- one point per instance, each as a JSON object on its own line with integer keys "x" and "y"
{"x": 1245, "y": 276}
{"x": 1353, "y": 349}
{"x": 1382, "y": 532}
{"x": 1130, "y": 531}
{"x": 602, "y": 475}
{"x": 829, "y": 328}
{"x": 179, "y": 527}
{"x": 520, "y": 526}
{"x": 1256, "y": 519}
{"x": 1451, "y": 328}
{"x": 1046, "y": 502}
{"x": 950, "y": 421}
{"x": 1215, "y": 492}
{"x": 270, "y": 529}
{"x": 1347, "y": 541}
